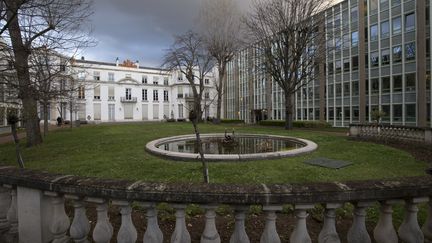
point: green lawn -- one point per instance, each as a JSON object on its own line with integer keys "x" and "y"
{"x": 118, "y": 151}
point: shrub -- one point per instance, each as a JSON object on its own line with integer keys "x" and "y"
{"x": 231, "y": 121}
{"x": 171, "y": 120}
{"x": 181, "y": 120}
{"x": 298, "y": 124}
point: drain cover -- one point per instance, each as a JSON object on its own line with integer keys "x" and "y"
{"x": 328, "y": 163}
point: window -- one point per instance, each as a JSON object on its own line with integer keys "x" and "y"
{"x": 155, "y": 95}
{"x": 354, "y": 14}
{"x": 385, "y": 56}
{"x": 96, "y": 75}
{"x": 111, "y": 77}
{"x": 397, "y": 83}
{"x": 375, "y": 86}
{"x": 410, "y": 82}
{"x": 180, "y": 76}
{"x": 375, "y": 59}
{"x": 428, "y": 48}
{"x": 346, "y": 41}
{"x": 385, "y": 84}
{"x": 207, "y": 95}
{"x": 346, "y": 65}
{"x": 338, "y": 43}
{"x": 354, "y": 38}
{"x": 409, "y": 22}
{"x": 386, "y": 113}
{"x": 373, "y": 6}
{"x": 155, "y": 80}
{"x": 144, "y": 79}
{"x": 410, "y": 112}
{"x": 166, "y": 81}
{"x": 330, "y": 68}
{"x": 111, "y": 94}
{"x": 397, "y": 54}
{"x": 338, "y": 66}
{"x": 346, "y": 89}
{"x": 81, "y": 92}
{"x": 355, "y": 88}
{"x": 96, "y": 93}
{"x": 374, "y": 32}
{"x": 144, "y": 95}
{"x": 354, "y": 63}
{"x": 180, "y": 111}
{"x": 62, "y": 67}
{"x": 165, "y": 95}
{"x": 337, "y": 21}
{"x": 410, "y": 51}
{"x": 385, "y": 29}
{"x": 397, "y": 113}
{"x": 206, "y": 81}
{"x": 338, "y": 90}
{"x": 128, "y": 94}
{"x": 396, "y": 25}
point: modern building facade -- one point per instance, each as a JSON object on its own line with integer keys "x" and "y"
{"x": 378, "y": 58}
{"x": 121, "y": 92}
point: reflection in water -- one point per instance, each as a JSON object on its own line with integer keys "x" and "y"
{"x": 241, "y": 145}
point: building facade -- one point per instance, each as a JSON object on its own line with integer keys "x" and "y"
{"x": 121, "y": 92}
{"x": 378, "y": 59}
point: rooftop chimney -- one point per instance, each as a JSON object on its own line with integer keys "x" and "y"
{"x": 82, "y": 58}
{"x": 137, "y": 63}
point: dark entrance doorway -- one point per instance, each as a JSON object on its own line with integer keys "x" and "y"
{"x": 259, "y": 115}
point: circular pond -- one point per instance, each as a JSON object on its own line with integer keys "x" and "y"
{"x": 221, "y": 147}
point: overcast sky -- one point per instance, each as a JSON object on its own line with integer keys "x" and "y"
{"x": 141, "y": 29}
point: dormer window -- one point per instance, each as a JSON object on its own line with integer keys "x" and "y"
{"x": 156, "y": 80}
{"x": 144, "y": 79}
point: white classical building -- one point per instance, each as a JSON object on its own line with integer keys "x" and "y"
{"x": 122, "y": 92}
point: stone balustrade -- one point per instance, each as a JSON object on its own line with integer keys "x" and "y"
{"x": 391, "y": 132}
{"x": 32, "y": 207}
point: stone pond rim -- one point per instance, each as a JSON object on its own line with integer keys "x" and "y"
{"x": 152, "y": 147}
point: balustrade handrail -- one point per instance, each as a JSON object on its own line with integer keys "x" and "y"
{"x": 392, "y": 126}
{"x": 185, "y": 193}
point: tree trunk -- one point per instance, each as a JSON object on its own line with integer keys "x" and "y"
{"x": 288, "y": 112}
{"x": 71, "y": 113}
{"x": 21, "y": 53}
{"x": 45, "y": 114}
{"x": 200, "y": 152}
{"x": 17, "y": 147}
{"x": 222, "y": 70}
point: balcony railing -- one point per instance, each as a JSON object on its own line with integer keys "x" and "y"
{"x": 128, "y": 100}
{"x": 33, "y": 204}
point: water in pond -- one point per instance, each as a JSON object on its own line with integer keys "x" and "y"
{"x": 240, "y": 145}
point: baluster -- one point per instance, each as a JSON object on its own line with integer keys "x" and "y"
{"x": 180, "y": 235}
{"x": 80, "y": 226}
{"x": 427, "y": 227}
{"x": 103, "y": 230}
{"x": 60, "y": 221}
{"x": 153, "y": 233}
{"x": 127, "y": 232}
{"x": 358, "y": 233}
{"x": 239, "y": 235}
{"x": 409, "y": 231}
{"x": 270, "y": 234}
{"x": 12, "y": 214}
{"x": 300, "y": 233}
{"x": 384, "y": 231}
{"x": 328, "y": 233}
{"x": 210, "y": 234}
{"x": 5, "y": 203}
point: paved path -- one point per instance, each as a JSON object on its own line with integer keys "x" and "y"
{"x": 21, "y": 134}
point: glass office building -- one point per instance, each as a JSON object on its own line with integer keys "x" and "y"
{"x": 378, "y": 58}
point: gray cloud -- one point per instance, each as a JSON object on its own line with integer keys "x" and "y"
{"x": 141, "y": 29}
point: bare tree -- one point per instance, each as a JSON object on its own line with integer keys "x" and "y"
{"x": 287, "y": 34}
{"x": 59, "y": 25}
{"x": 221, "y": 27}
{"x": 189, "y": 56}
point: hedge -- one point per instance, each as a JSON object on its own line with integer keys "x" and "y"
{"x": 298, "y": 124}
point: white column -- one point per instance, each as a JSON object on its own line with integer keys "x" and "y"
{"x": 384, "y": 231}
{"x": 427, "y": 227}
{"x": 300, "y": 233}
{"x": 127, "y": 232}
{"x": 358, "y": 233}
{"x": 153, "y": 234}
{"x": 80, "y": 226}
{"x": 328, "y": 233}
{"x": 210, "y": 234}
{"x": 409, "y": 231}
{"x": 270, "y": 234}
{"x": 180, "y": 235}
{"x": 103, "y": 230}
{"x": 239, "y": 235}
{"x": 59, "y": 221}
